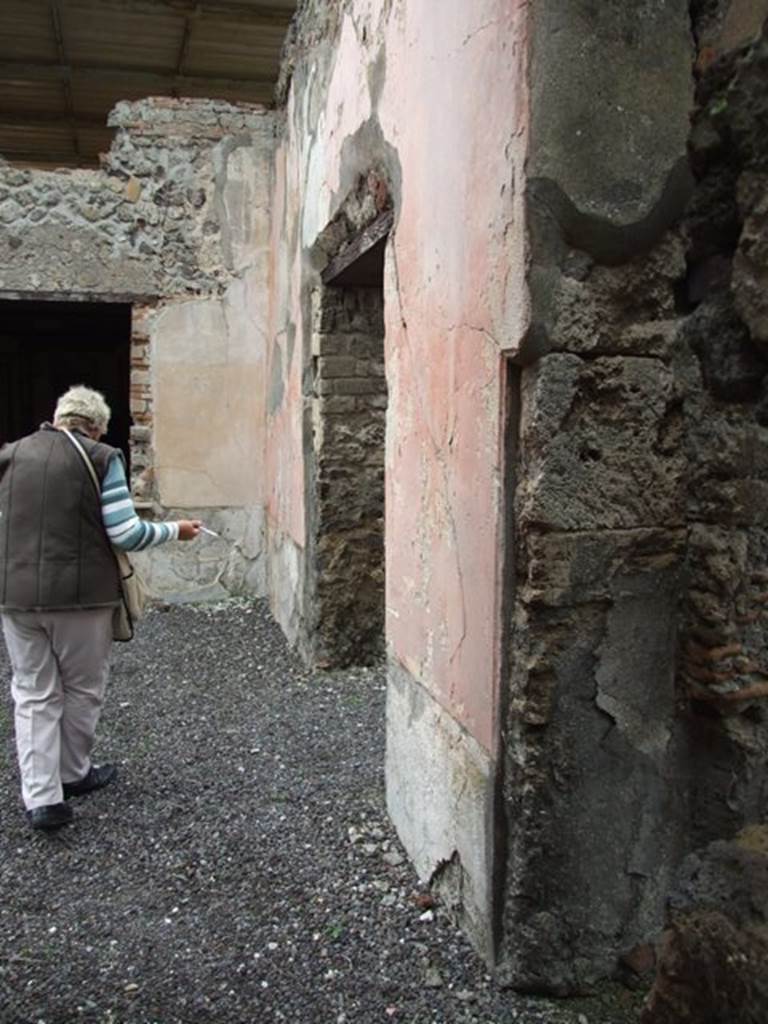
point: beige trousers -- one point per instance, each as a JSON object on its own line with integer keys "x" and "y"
{"x": 60, "y": 663}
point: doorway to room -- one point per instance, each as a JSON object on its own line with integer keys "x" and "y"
{"x": 45, "y": 347}
{"x": 346, "y": 568}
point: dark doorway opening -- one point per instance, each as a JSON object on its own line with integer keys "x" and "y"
{"x": 46, "y": 347}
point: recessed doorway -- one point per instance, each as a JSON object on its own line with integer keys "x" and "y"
{"x": 45, "y": 347}
{"x": 346, "y": 563}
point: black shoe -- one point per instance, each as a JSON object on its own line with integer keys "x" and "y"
{"x": 96, "y": 778}
{"x": 49, "y": 817}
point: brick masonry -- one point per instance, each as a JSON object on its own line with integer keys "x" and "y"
{"x": 142, "y": 478}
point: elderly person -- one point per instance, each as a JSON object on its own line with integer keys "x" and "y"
{"x": 58, "y": 590}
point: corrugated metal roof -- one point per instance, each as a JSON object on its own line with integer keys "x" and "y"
{"x": 65, "y": 63}
{"x": 26, "y": 31}
{"x": 92, "y": 99}
{"x": 134, "y": 41}
{"x": 33, "y": 97}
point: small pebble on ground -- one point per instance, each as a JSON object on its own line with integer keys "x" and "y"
{"x": 243, "y": 869}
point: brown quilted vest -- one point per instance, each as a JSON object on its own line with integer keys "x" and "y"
{"x": 54, "y": 552}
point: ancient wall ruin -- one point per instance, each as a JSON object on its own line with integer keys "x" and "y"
{"x": 559, "y": 381}
{"x": 453, "y": 303}
{"x": 573, "y": 475}
{"x": 723, "y": 649}
{"x": 176, "y": 224}
{"x": 637, "y": 620}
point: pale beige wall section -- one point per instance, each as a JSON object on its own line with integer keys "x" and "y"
{"x": 208, "y": 388}
{"x": 208, "y": 354}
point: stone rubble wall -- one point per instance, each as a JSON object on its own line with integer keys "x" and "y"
{"x": 636, "y": 726}
{"x": 595, "y": 823}
{"x": 713, "y": 956}
{"x": 723, "y": 641}
{"x": 159, "y": 218}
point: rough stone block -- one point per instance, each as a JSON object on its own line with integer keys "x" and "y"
{"x": 734, "y": 502}
{"x": 731, "y": 365}
{"x": 369, "y": 346}
{"x": 624, "y": 310}
{"x": 349, "y": 386}
{"x": 723, "y": 640}
{"x": 337, "y": 405}
{"x": 713, "y": 959}
{"x": 337, "y": 366}
{"x": 330, "y": 344}
{"x": 132, "y": 190}
{"x": 750, "y": 273}
{"x": 328, "y": 319}
{"x": 377, "y": 401}
{"x": 710, "y": 970}
{"x": 591, "y": 161}
{"x": 369, "y": 368}
{"x": 563, "y": 569}
{"x": 722, "y": 443}
{"x": 356, "y": 432}
{"x": 601, "y": 445}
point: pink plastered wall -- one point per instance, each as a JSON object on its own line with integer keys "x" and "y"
{"x": 448, "y": 93}
{"x": 284, "y": 449}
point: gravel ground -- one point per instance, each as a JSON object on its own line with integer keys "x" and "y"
{"x": 242, "y": 870}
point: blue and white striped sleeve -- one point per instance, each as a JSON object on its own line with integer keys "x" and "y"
{"x": 124, "y": 528}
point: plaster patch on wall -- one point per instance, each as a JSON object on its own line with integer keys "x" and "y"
{"x": 439, "y": 785}
{"x": 638, "y": 645}
{"x": 276, "y": 377}
{"x": 285, "y": 582}
{"x": 640, "y": 110}
{"x": 208, "y": 362}
{"x": 241, "y": 197}
{"x": 209, "y": 568}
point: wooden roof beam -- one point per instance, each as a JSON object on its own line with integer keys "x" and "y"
{"x": 184, "y": 46}
{"x": 20, "y": 71}
{"x": 54, "y": 7}
{"x": 356, "y": 249}
{"x": 219, "y": 10}
{"x": 45, "y": 158}
{"x": 50, "y": 119}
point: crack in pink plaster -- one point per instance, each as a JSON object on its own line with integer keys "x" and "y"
{"x": 440, "y": 458}
{"x": 478, "y": 30}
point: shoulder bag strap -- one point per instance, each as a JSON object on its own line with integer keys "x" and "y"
{"x": 124, "y": 567}
{"x": 86, "y": 459}
{"x": 123, "y": 564}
